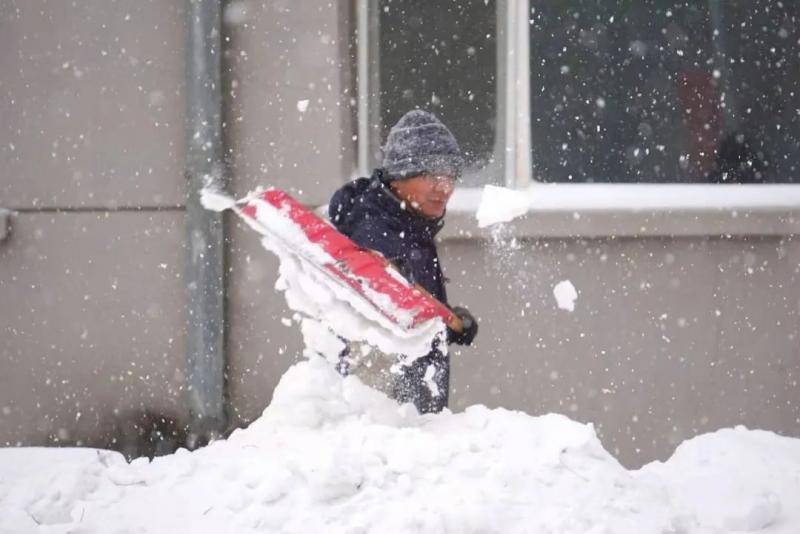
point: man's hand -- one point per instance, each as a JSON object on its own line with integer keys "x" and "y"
{"x": 469, "y": 331}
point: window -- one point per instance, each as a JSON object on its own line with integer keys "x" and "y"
{"x": 646, "y": 91}
{"x": 442, "y": 57}
{"x": 665, "y": 91}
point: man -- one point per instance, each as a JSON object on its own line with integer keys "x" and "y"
{"x": 397, "y": 212}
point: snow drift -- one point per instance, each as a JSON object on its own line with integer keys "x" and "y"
{"x": 331, "y": 455}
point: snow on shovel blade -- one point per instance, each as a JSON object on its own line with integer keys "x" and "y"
{"x": 363, "y": 271}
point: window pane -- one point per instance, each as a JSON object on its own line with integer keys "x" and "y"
{"x": 442, "y": 57}
{"x": 665, "y": 91}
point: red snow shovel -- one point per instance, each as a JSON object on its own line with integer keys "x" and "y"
{"x": 367, "y": 273}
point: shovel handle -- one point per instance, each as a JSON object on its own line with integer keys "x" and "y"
{"x": 453, "y": 322}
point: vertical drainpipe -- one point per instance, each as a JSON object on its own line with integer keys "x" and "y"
{"x": 205, "y": 320}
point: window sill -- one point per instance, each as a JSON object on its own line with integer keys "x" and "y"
{"x": 632, "y": 210}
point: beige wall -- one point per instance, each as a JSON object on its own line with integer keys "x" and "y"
{"x": 281, "y": 53}
{"x": 91, "y": 324}
{"x": 92, "y": 103}
{"x": 91, "y": 293}
{"x": 671, "y": 336}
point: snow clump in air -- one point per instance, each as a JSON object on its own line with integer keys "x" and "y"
{"x": 214, "y": 200}
{"x": 499, "y": 205}
{"x": 566, "y": 295}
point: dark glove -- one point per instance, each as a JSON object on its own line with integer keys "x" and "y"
{"x": 470, "y": 330}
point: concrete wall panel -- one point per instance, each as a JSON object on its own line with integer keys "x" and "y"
{"x": 91, "y": 100}
{"x": 654, "y": 352}
{"x": 757, "y": 358}
{"x": 92, "y": 324}
{"x": 290, "y": 103}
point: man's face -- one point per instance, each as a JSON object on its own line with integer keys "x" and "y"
{"x": 426, "y": 194}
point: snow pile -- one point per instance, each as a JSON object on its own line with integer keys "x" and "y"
{"x": 566, "y": 295}
{"x": 332, "y": 455}
{"x": 499, "y": 204}
{"x": 763, "y": 489}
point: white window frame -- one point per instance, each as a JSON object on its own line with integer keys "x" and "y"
{"x": 575, "y": 209}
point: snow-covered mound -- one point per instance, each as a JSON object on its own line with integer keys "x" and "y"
{"x": 737, "y": 479}
{"x": 332, "y": 455}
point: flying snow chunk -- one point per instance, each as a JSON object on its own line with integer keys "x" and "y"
{"x": 499, "y": 204}
{"x": 215, "y": 200}
{"x": 302, "y": 105}
{"x": 565, "y": 295}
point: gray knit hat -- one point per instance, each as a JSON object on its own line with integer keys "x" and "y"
{"x": 420, "y": 144}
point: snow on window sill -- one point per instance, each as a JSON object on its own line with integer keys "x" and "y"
{"x": 625, "y": 210}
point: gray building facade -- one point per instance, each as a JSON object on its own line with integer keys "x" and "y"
{"x": 687, "y": 312}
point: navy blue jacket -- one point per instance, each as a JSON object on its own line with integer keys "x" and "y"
{"x": 369, "y": 213}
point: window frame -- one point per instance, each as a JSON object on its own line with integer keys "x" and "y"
{"x": 729, "y": 209}
{"x": 368, "y": 90}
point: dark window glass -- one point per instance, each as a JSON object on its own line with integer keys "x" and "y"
{"x": 665, "y": 91}
{"x": 442, "y": 57}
